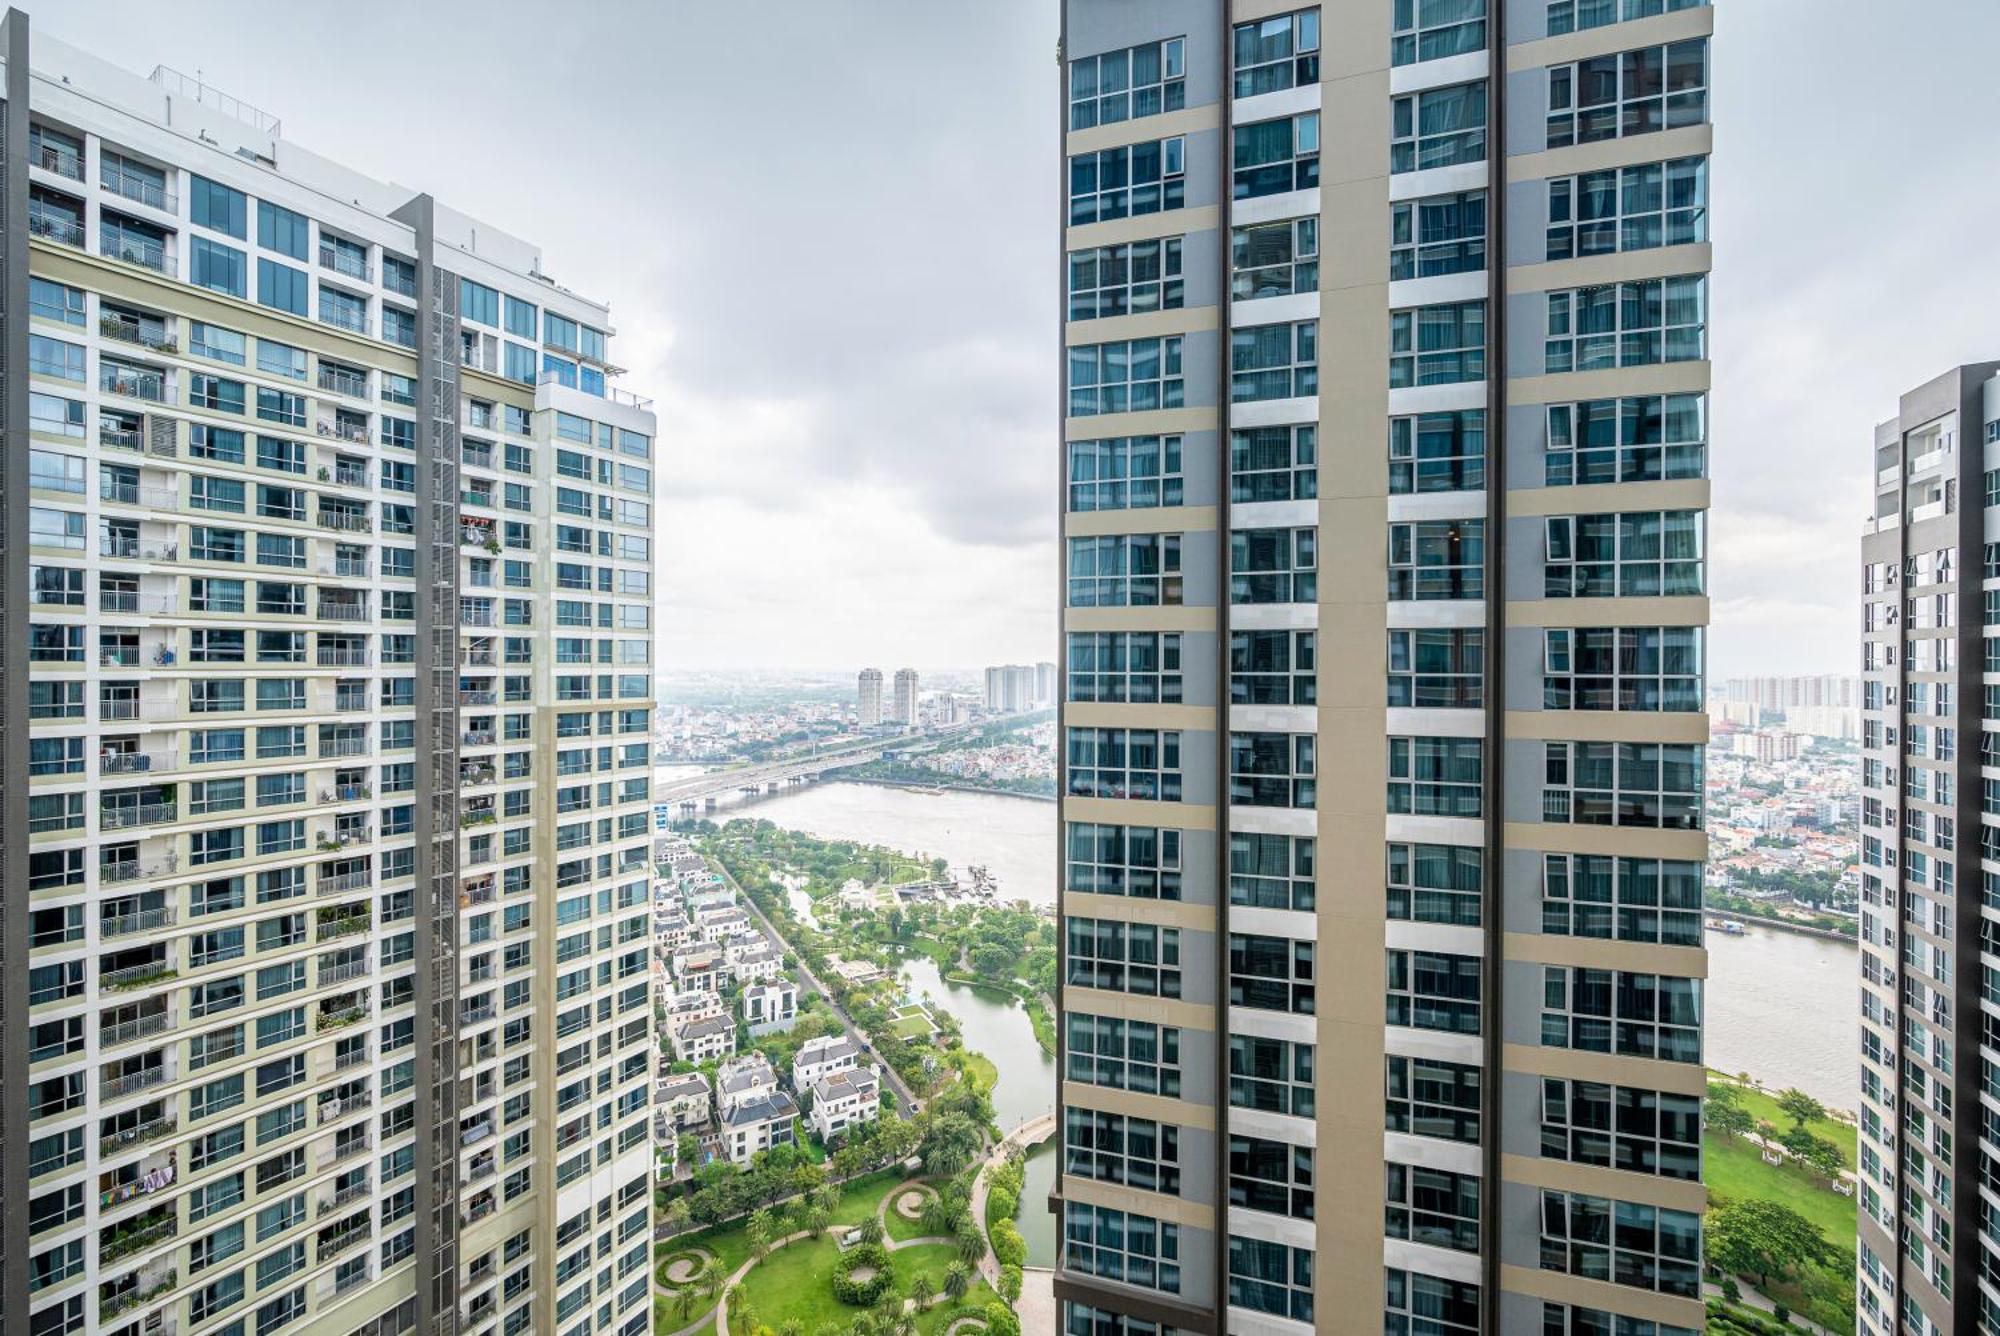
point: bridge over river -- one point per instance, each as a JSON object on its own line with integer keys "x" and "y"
{"x": 692, "y": 794}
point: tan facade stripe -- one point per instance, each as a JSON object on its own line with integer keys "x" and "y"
{"x": 1678, "y": 1078}
{"x": 1687, "y": 962}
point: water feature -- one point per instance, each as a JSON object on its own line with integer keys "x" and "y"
{"x": 994, "y": 1024}
{"x": 1037, "y": 1225}
{"x": 1786, "y": 1009}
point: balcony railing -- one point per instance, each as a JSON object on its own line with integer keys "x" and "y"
{"x": 332, "y": 657}
{"x": 343, "y": 747}
{"x": 135, "y": 763}
{"x": 143, "y": 814}
{"x": 342, "y": 883}
{"x": 330, "y": 975}
{"x": 136, "y": 976}
{"x": 124, "y": 1032}
{"x": 114, "y": 1245}
{"x": 345, "y": 521}
{"x": 133, "y": 332}
{"x": 342, "y": 382}
{"x": 131, "y": 869}
{"x": 117, "y": 1087}
{"x": 346, "y": 793}
{"x": 344, "y": 430}
{"x": 127, "y": 184}
{"x": 340, "y": 317}
{"x": 54, "y": 225}
{"x": 342, "y": 612}
{"x": 120, "y": 438}
{"x": 333, "y": 1109}
{"x": 344, "y": 262}
{"x": 347, "y": 1148}
{"x": 148, "y": 385}
{"x": 116, "y": 244}
{"x": 55, "y": 158}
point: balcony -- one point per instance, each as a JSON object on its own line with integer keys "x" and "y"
{"x": 116, "y": 243}
{"x": 137, "y": 333}
{"x": 124, "y": 1032}
{"x": 110, "y": 1306}
{"x": 343, "y": 261}
{"x": 339, "y": 611}
{"x": 479, "y": 737}
{"x": 135, "y": 186}
{"x": 347, "y": 793}
{"x": 344, "y": 317}
{"x": 138, "y": 976}
{"x": 141, "y": 814}
{"x": 333, "y": 975}
{"x": 338, "y": 1240}
{"x": 476, "y": 698}
{"x": 132, "y": 869}
{"x": 346, "y": 1149}
{"x": 343, "y": 883}
{"x": 347, "y": 567}
{"x": 118, "y": 1087}
{"x": 346, "y": 521}
{"x": 156, "y": 1180}
{"x": 136, "y": 762}
{"x": 125, "y": 600}
{"x": 66, "y": 162}
{"x": 145, "y": 920}
{"x": 151, "y": 386}
{"x": 331, "y": 1110}
{"x": 331, "y": 747}
{"x": 344, "y": 429}
{"x": 133, "y": 1237}
{"x": 337, "y": 381}
{"x": 54, "y": 225}
{"x": 117, "y": 437}
{"x": 342, "y": 657}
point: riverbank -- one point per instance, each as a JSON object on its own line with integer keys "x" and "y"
{"x": 912, "y": 786}
{"x": 1782, "y": 924}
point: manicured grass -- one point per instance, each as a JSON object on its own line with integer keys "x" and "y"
{"x": 899, "y": 1228}
{"x": 1735, "y": 1171}
{"x": 926, "y": 1259}
{"x": 796, "y": 1281}
{"x": 914, "y": 1026}
{"x": 936, "y": 1319}
{"x": 859, "y": 1198}
{"x": 1762, "y": 1106}
{"x": 979, "y": 1069}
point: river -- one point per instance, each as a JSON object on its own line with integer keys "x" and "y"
{"x": 1787, "y": 1009}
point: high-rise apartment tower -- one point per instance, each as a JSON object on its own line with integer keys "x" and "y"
{"x": 906, "y": 697}
{"x": 868, "y": 707}
{"x": 1384, "y": 321}
{"x": 1930, "y": 843}
{"x": 324, "y": 782}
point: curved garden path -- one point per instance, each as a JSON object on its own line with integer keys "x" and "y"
{"x": 1031, "y": 1133}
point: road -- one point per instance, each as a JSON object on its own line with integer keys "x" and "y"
{"x": 906, "y": 1101}
{"x": 848, "y": 753}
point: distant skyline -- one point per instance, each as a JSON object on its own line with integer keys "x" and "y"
{"x": 838, "y": 279}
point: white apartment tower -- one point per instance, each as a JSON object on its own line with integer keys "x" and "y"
{"x": 869, "y": 705}
{"x": 327, "y": 675}
{"x": 906, "y": 697}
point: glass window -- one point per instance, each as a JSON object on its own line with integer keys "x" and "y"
{"x": 477, "y": 302}
{"x": 281, "y": 230}
{"x": 1272, "y": 157}
{"x": 1628, "y": 93}
{"x": 1439, "y": 128}
{"x": 1639, "y": 439}
{"x": 1274, "y": 362}
{"x": 1438, "y": 452}
{"x": 1131, "y": 279}
{"x": 1642, "y": 323}
{"x": 1275, "y": 53}
{"x": 1445, "y": 234}
{"x": 282, "y": 287}
{"x": 1274, "y": 259}
{"x": 1574, "y": 16}
{"x": 1126, "y": 85}
{"x": 1434, "y": 29}
{"x": 1128, "y": 181}
{"x": 1135, "y": 376}
{"x": 214, "y": 205}
{"x": 1628, "y": 208}
{"x": 1437, "y": 345}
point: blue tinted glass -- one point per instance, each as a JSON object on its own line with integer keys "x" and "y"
{"x": 281, "y": 230}
{"x": 215, "y": 205}
{"x": 281, "y": 287}
{"x": 213, "y": 265}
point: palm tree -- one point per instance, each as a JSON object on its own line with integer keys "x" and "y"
{"x": 871, "y": 1229}
{"x": 971, "y": 1241}
{"x": 684, "y": 1299}
{"x": 957, "y": 1280}
{"x": 792, "y": 1327}
{"x": 709, "y": 1278}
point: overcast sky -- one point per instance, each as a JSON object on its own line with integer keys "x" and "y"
{"x": 825, "y": 229}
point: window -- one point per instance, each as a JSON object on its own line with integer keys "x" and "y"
{"x": 1274, "y": 259}
{"x": 1433, "y": 990}
{"x": 1651, "y": 668}
{"x": 1616, "y": 1011}
{"x": 1138, "y": 667}
{"x": 1274, "y": 361}
{"x": 54, "y": 471}
{"x": 1439, "y": 128}
{"x": 1433, "y": 29}
{"x": 1123, "y": 1055}
{"x": 1435, "y": 883}
{"x": 214, "y": 205}
{"x": 1141, "y": 763}
{"x": 1128, "y": 181}
{"x": 1125, "y": 473}
{"x": 520, "y": 364}
{"x": 1271, "y": 973}
{"x": 1429, "y": 1098}
{"x": 1275, "y": 53}
{"x": 1622, "y": 1127}
{"x": 1437, "y": 345}
{"x": 1626, "y": 1243}
{"x": 1648, "y": 785}
{"x": 1126, "y": 85}
{"x": 1125, "y": 570}
{"x": 1435, "y": 559}
{"x": 1272, "y": 157}
{"x": 1273, "y": 463}
{"x": 478, "y": 302}
{"x": 1440, "y": 669}
{"x": 1628, "y": 208}
{"x": 1445, "y": 234}
{"x": 1574, "y": 16}
{"x": 1273, "y": 566}
{"x": 281, "y": 230}
{"x": 1138, "y": 861}
{"x": 53, "y": 415}
{"x": 1642, "y": 323}
{"x": 1435, "y": 776}
{"x": 223, "y": 444}
{"x": 1639, "y": 439}
{"x": 49, "y": 300}
{"x": 520, "y": 317}
{"x": 55, "y": 358}
{"x": 1271, "y": 871}
{"x": 1272, "y": 769}
{"x": 1122, "y": 957}
{"x": 213, "y": 392}
{"x": 282, "y": 287}
{"x": 1132, "y": 279}
{"x": 1629, "y": 899}
{"x": 1270, "y": 1277}
{"x": 1413, "y": 1302}
{"x": 1641, "y": 554}
{"x": 1631, "y": 93}
{"x": 1273, "y": 667}
{"x": 1129, "y": 1151}
{"x": 1135, "y": 376}
{"x": 1431, "y": 1206}
{"x": 55, "y": 528}
{"x": 1122, "y": 1246}
{"x": 343, "y": 309}
{"x": 216, "y": 266}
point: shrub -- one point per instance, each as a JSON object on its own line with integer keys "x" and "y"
{"x": 1009, "y": 1248}
{"x": 862, "y": 1293}
{"x": 1000, "y": 1321}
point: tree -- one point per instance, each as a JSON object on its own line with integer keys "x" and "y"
{"x": 761, "y": 1230}
{"x": 1764, "y": 1239}
{"x": 957, "y": 1280}
{"x": 684, "y": 1299}
{"x": 1010, "y": 1283}
{"x": 792, "y": 1327}
{"x": 1729, "y": 1119}
{"x": 1800, "y": 1107}
{"x": 871, "y": 1229}
{"x": 687, "y": 1149}
{"x": 971, "y": 1243}
{"x": 1000, "y": 1321}
{"x": 1824, "y": 1156}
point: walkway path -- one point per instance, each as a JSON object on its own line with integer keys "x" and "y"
{"x": 908, "y": 1100}
{"x": 1031, "y": 1133}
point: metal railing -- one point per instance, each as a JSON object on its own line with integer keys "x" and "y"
{"x": 142, "y": 814}
{"x": 343, "y": 882}
{"x": 341, "y": 317}
{"x": 136, "y": 186}
{"x": 330, "y": 611}
{"x": 134, "y": 332}
{"x": 121, "y": 925}
{"x": 131, "y": 1083}
{"x": 117, "y": 244}
{"x": 345, "y": 262}
{"x": 54, "y": 225}
{"x": 148, "y": 385}
{"x": 333, "y": 657}
{"x": 124, "y": 1032}
{"x": 345, "y": 522}
{"x": 55, "y": 158}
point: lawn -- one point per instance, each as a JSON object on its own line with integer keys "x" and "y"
{"x": 926, "y": 1259}
{"x": 979, "y": 1069}
{"x": 934, "y": 1320}
{"x": 1762, "y": 1106}
{"x": 859, "y": 1198}
{"x": 899, "y": 1228}
{"x": 916, "y": 1025}
{"x": 1735, "y": 1170}
{"x": 796, "y": 1281}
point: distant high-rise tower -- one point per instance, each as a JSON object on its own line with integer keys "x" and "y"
{"x": 906, "y": 697}
{"x": 1010, "y": 688}
{"x": 1411, "y": 297}
{"x": 870, "y": 705}
{"x": 1045, "y": 685}
{"x": 1929, "y": 841}
{"x": 325, "y": 832}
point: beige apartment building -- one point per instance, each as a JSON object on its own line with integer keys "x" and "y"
{"x": 327, "y": 676}
{"x": 1384, "y": 499}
